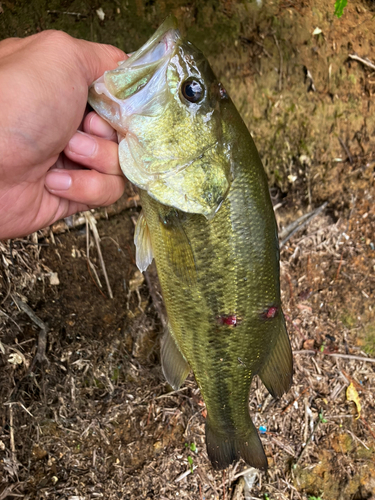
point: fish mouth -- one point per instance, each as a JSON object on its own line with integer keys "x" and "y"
{"x": 117, "y": 94}
{"x": 158, "y": 46}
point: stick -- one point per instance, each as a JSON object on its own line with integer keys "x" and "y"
{"x": 238, "y": 491}
{"x": 172, "y": 393}
{"x": 300, "y": 223}
{"x": 308, "y": 441}
{"x": 75, "y": 221}
{"x": 40, "y": 355}
{"x": 296, "y": 399}
{"x": 92, "y": 223}
{"x": 12, "y": 445}
{"x": 363, "y": 61}
{"x": 345, "y": 148}
{"x": 336, "y": 355}
{"x": 185, "y": 474}
{"x": 281, "y": 63}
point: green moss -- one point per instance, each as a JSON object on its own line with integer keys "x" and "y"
{"x": 348, "y": 320}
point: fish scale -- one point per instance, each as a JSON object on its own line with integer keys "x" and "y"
{"x": 208, "y": 221}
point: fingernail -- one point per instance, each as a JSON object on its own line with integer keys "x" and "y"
{"x": 82, "y": 144}
{"x": 58, "y": 180}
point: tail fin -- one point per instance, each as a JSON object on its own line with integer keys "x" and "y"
{"x": 277, "y": 372}
{"x": 224, "y": 448}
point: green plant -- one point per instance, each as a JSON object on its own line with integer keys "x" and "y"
{"x": 339, "y": 10}
{"x": 192, "y": 447}
{"x": 323, "y": 421}
{"x": 190, "y": 460}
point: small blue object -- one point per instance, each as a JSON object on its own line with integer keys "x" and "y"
{"x": 262, "y": 429}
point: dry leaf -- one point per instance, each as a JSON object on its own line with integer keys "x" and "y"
{"x": 15, "y": 359}
{"x": 352, "y": 395}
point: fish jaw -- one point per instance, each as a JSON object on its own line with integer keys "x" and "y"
{"x": 116, "y": 95}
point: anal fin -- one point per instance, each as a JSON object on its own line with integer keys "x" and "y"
{"x": 174, "y": 365}
{"x": 277, "y": 372}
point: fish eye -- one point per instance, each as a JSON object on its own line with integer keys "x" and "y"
{"x": 192, "y": 90}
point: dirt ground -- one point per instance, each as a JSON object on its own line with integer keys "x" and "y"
{"x": 85, "y": 412}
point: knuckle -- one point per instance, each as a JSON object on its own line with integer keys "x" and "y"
{"x": 57, "y": 37}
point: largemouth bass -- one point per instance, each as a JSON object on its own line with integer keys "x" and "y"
{"x": 208, "y": 221}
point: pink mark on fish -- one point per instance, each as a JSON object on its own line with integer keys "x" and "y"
{"x": 270, "y": 313}
{"x": 228, "y": 319}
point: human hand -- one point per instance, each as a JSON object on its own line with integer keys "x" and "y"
{"x": 49, "y": 169}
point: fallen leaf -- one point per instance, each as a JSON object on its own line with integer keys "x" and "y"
{"x": 100, "y": 13}
{"x": 54, "y": 279}
{"x": 15, "y": 359}
{"x": 352, "y": 395}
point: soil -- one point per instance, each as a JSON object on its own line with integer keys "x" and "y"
{"x": 85, "y": 412}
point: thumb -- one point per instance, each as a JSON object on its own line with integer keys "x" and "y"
{"x": 96, "y": 58}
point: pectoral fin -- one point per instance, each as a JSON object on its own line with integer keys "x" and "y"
{"x": 142, "y": 241}
{"x": 174, "y": 365}
{"x": 277, "y": 372}
{"x": 177, "y": 247}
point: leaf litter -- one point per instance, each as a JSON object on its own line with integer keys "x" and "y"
{"x": 85, "y": 412}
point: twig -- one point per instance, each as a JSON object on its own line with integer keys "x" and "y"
{"x": 357, "y": 438}
{"x": 75, "y": 221}
{"x": 308, "y": 76}
{"x": 281, "y": 63}
{"x": 223, "y": 477}
{"x": 309, "y": 440}
{"x": 92, "y": 223}
{"x": 291, "y": 294}
{"x": 11, "y": 319}
{"x": 345, "y": 148}
{"x": 366, "y": 62}
{"x": 172, "y": 393}
{"x": 336, "y": 355}
{"x": 12, "y": 445}
{"x": 300, "y": 223}
{"x": 367, "y": 425}
{"x": 21, "y": 405}
{"x": 185, "y": 474}
{"x": 8, "y": 492}
{"x": 90, "y": 265}
{"x": 296, "y": 399}
{"x": 40, "y": 355}
{"x": 76, "y": 14}
{"x": 338, "y": 269}
{"x": 238, "y": 491}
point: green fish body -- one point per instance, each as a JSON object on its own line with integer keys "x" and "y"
{"x": 208, "y": 221}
